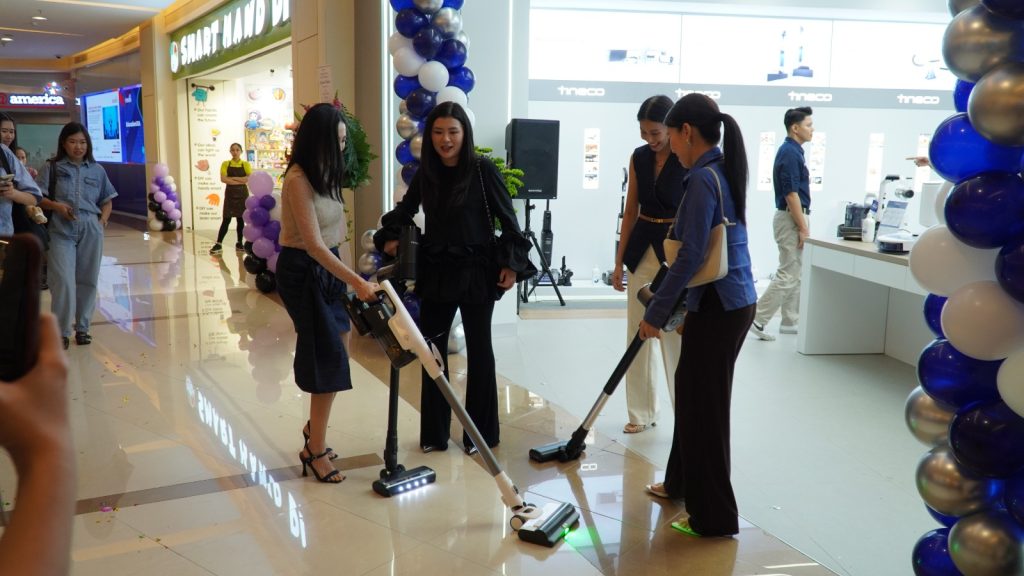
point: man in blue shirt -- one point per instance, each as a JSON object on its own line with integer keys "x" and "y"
{"x": 21, "y": 189}
{"x": 791, "y": 225}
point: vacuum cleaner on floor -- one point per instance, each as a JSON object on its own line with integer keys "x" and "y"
{"x": 571, "y": 449}
{"x": 372, "y": 318}
{"x": 538, "y": 525}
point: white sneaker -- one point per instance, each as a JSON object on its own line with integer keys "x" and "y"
{"x": 758, "y": 330}
{"x": 788, "y": 329}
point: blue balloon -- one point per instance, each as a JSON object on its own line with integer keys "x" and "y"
{"x": 958, "y": 152}
{"x": 463, "y": 78}
{"x": 953, "y": 378}
{"x": 427, "y": 41}
{"x": 403, "y": 154}
{"x": 404, "y": 85}
{"x": 452, "y": 53}
{"x": 987, "y": 439}
{"x": 457, "y": 4}
{"x": 1015, "y": 498}
{"x": 961, "y": 93}
{"x": 399, "y": 5}
{"x": 933, "y": 312}
{"x": 409, "y": 170}
{"x": 941, "y": 518}
{"x": 1012, "y": 9}
{"x": 987, "y": 211}
{"x": 931, "y": 555}
{"x": 1010, "y": 268}
{"x": 409, "y": 21}
{"x": 420, "y": 102}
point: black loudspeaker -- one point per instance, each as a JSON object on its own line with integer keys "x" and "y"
{"x": 532, "y": 147}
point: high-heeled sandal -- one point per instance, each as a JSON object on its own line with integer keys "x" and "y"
{"x": 332, "y": 455}
{"x": 326, "y": 478}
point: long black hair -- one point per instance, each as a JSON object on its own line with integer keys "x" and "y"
{"x": 654, "y": 109}
{"x": 430, "y": 163}
{"x": 317, "y": 152}
{"x": 69, "y": 130}
{"x": 703, "y": 114}
{"x": 5, "y": 117}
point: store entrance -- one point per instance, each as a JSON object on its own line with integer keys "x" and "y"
{"x": 248, "y": 103}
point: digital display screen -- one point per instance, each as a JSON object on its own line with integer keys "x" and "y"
{"x": 114, "y": 121}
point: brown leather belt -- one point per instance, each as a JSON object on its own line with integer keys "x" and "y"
{"x": 646, "y": 218}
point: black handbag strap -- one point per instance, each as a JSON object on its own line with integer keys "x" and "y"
{"x": 487, "y": 206}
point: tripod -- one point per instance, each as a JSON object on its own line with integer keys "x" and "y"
{"x": 524, "y": 287}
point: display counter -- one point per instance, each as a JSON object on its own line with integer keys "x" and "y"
{"x": 855, "y": 300}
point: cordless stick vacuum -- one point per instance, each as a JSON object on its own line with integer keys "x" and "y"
{"x": 372, "y": 319}
{"x": 572, "y": 449}
{"x": 538, "y": 525}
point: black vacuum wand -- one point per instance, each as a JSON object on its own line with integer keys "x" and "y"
{"x": 372, "y": 318}
{"x": 565, "y": 451}
{"x": 539, "y": 525}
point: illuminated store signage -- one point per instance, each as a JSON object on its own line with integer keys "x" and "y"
{"x": 233, "y": 30}
{"x": 31, "y": 101}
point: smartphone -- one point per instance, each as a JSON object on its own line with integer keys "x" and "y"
{"x": 6, "y": 177}
{"x": 20, "y": 262}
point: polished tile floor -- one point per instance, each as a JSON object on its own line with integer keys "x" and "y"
{"x": 187, "y": 426}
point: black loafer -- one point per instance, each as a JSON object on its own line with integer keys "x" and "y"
{"x": 428, "y": 448}
{"x": 470, "y": 450}
{"x": 67, "y": 342}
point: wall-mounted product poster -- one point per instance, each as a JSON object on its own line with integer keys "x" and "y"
{"x": 114, "y": 121}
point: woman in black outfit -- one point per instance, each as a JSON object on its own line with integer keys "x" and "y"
{"x": 462, "y": 265}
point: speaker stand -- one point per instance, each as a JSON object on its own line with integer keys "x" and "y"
{"x": 525, "y": 289}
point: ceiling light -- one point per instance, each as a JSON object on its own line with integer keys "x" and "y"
{"x": 6, "y": 39}
{"x": 40, "y": 18}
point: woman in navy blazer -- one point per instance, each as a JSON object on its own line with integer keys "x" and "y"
{"x": 718, "y": 314}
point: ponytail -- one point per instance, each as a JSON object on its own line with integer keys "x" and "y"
{"x": 736, "y": 169}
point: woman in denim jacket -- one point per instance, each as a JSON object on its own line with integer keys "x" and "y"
{"x": 81, "y": 208}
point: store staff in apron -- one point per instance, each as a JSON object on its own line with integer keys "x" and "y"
{"x": 80, "y": 198}
{"x": 235, "y": 174}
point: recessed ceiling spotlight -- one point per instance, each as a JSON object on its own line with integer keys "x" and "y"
{"x": 40, "y": 18}
{"x": 6, "y": 39}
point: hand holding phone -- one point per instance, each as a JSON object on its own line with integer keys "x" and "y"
{"x": 6, "y": 184}
{"x": 20, "y": 262}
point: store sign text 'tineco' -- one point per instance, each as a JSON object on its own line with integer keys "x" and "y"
{"x": 226, "y": 29}
{"x": 31, "y": 101}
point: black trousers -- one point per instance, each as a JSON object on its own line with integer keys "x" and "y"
{"x": 224, "y": 229}
{"x": 699, "y": 464}
{"x": 481, "y": 384}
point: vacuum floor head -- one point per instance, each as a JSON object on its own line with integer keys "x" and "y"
{"x": 554, "y": 523}
{"x": 404, "y": 481}
{"x": 561, "y": 451}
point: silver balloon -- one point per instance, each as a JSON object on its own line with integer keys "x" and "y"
{"x": 416, "y": 146}
{"x": 367, "y": 264}
{"x": 462, "y": 37}
{"x": 977, "y": 41}
{"x": 989, "y": 543}
{"x": 950, "y": 489}
{"x": 456, "y": 339}
{"x": 958, "y": 6}
{"x": 449, "y": 21}
{"x": 927, "y": 419}
{"x": 996, "y": 108}
{"x": 406, "y": 126}
{"x": 366, "y": 240}
{"x": 428, "y": 6}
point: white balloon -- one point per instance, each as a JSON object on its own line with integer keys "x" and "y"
{"x": 462, "y": 37}
{"x": 983, "y": 321}
{"x": 396, "y": 41}
{"x": 471, "y": 115}
{"x": 275, "y": 212}
{"x": 155, "y": 225}
{"x": 420, "y": 220}
{"x": 400, "y": 189}
{"x": 940, "y": 201}
{"x": 452, "y": 94}
{"x": 433, "y": 76}
{"x": 407, "y": 61}
{"x": 941, "y": 264}
{"x": 1010, "y": 382}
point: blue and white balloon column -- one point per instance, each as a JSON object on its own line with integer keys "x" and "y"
{"x": 164, "y": 205}
{"x": 970, "y": 406}
{"x": 429, "y": 53}
{"x": 262, "y": 219}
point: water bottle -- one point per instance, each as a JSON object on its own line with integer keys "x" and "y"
{"x": 867, "y": 228}
{"x": 595, "y": 276}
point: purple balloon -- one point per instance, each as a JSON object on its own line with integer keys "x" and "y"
{"x": 247, "y": 217}
{"x": 160, "y": 181}
{"x": 167, "y": 205}
{"x": 154, "y": 188}
{"x": 174, "y": 214}
{"x": 159, "y": 197}
{"x": 263, "y": 247}
{"x": 272, "y": 262}
{"x": 252, "y": 233}
{"x": 171, "y": 196}
{"x": 267, "y": 202}
{"x": 261, "y": 183}
{"x": 259, "y": 216}
{"x": 272, "y": 230}
{"x": 252, "y": 202}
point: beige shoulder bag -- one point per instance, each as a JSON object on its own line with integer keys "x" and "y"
{"x": 716, "y": 260}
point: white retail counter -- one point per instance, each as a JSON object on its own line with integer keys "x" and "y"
{"x": 855, "y": 300}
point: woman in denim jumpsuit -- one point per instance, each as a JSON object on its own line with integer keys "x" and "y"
{"x": 81, "y": 207}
